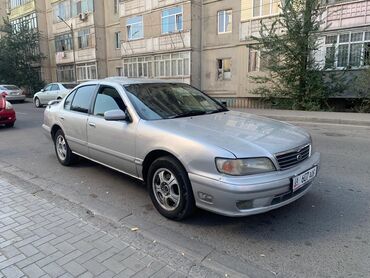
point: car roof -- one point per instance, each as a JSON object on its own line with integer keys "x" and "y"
{"x": 130, "y": 81}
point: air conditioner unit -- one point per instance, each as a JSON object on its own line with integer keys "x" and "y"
{"x": 83, "y": 16}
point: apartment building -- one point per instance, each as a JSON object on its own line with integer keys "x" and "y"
{"x": 77, "y": 44}
{"x": 161, "y": 39}
{"x": 345, "y": 41}
{"x": 3, "y": 10}
{"x": 32, "y": 13}
{"x": 228, "y": 61}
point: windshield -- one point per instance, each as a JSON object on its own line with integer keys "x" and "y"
{"x": 10, "y": 87}
{"x": 169, "y": 100}
{"x": 69, "y": 86}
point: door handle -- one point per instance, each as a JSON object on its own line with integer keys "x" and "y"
{"x": 92, "y": 124}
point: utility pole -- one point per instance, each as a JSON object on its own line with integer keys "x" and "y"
{"x": 73, "y": 47}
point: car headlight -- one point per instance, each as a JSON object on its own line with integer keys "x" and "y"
{"x": 8, "y": 106}
{"x": 243, "y": 167}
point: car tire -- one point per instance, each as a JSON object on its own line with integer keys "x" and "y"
{"x": 62, "y": 150}
{"x": 10, "y": 125}
{"x": 38, "y": 103}
{"x": 175, "y": 199}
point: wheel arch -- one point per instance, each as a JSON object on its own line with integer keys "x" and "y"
{"x": 54, "y": 130}
{"x": 152, "y": 156}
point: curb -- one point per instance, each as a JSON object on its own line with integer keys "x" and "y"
{"x": 201, "y": 254}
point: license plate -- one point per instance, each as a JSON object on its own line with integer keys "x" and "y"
{"x": 304, "y": 178}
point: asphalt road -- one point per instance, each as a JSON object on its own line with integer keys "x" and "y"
{"x": 324, "y": 234}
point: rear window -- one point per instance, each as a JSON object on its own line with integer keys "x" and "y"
{"x": 10, "y": 87}
{"x": 69, "y": 86}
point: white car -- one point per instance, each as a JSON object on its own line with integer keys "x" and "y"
{"x": 52, "y": 91}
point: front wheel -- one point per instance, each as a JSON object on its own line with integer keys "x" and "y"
{"x": 62, "y": 150}
{"x": 170, "y": 189}
{"x": 37, "y": 103}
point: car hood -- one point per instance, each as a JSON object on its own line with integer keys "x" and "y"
{"x": 243, "y": 134}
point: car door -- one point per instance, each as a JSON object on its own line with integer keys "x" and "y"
{"x": 44, "y": 96}
{"x": 111, "y": 142}
{"x": 53, "y": 93}
{"x": 74, "y": 117}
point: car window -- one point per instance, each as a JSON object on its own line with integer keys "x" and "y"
{"x": 82, "y": 99}
{"x": 67, "y": 103}
{"x": 69, "y": 85}
{"x": 48, "y": 87}
{"x": 55, "y": 87}
{"x": 108, "y": 99}
{"x": 11, "y": 87}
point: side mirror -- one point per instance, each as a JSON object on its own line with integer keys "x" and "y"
{"x": 115, "y": 115}
{"x": 42, "y": 90}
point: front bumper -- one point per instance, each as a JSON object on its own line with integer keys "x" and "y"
{"x": 15, "y": 97}
{"x": 47, "y": 131}
{"x": 261, "y": 192}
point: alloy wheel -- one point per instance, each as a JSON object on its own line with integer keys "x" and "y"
{"x": 166, "y": 189}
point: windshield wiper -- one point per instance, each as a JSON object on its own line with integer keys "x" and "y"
{"x": 218, "y": 111}
{"x": 188, "y": 114}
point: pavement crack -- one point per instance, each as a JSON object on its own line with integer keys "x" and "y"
{"x": 125, "y": 217}
{"x": 37, "y": 191}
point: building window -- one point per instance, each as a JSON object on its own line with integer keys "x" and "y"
{"x": 119, "y": 71}
{"x": 347, "y": 50}
{"x": 83, "y": 38}
{"x": 62, "y": 10}
{"x": 86, "y": 72}
{"x": 65, "y": 73}
{"x": 17, "y": 3}
{"x": 263, "y": 7}
{"x": 117, "y": 40}
{"x": 63, "y": 43}
{"x": 134, "y": 28}
{"x": 172, "y": 20}
{"x": 166, "y": 65}
{"x": 116, "y": 6}
{"x": 224, "y": 69}
{"x": 29, "y": 20}
{"x": 82, "y": 6}
{"x": 225, "y": 19}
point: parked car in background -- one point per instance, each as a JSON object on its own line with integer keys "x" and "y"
{"x": 188, "y": 148}
{"x": 7, "y": 113}
{"x": 13, "y": 93}
{"x": 53, "y": 91}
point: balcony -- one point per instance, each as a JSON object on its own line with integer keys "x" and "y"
{"x": 169, "y": 42}
{"x": 131, "y": 7}
{"x": 76, "y": 22}
{"x": 22, "y": 10}
{"x": 347, "y": 15}
{"x": 82, "y": 55}
{"x": 252, "y": 27}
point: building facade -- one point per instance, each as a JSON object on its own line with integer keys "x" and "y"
{"x": 345, "y": 41}
{"x": 228, "y": 61}
{"x": 33, "y": 14}
{"x": 161, "y": 39}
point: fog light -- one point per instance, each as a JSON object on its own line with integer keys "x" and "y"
{"x": 205, "y": 197}
{"x": 247, "y": 204}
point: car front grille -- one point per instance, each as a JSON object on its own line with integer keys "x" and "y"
{"x": 293, "y": 157}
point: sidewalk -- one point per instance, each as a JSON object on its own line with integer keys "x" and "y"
{"x": 360, "y": 119}
{"x": 40, "y": 239}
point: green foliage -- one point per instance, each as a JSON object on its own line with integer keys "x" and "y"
{"x": 362, "y": 85}
{"x": 20, "y": 57}
{"x": 293, "y": 77}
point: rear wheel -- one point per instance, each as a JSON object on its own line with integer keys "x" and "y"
{"x": 37, "y": 102}
{"x": 62, "y": 150}
{"x": 170, "y": 189}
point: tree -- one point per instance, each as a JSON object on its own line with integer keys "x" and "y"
{"x": 20, "y": 56}
{"x": 288, "y": 46}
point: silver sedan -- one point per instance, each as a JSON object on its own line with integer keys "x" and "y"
{"x": 12, "y": 93}
{"x": 189, "y": 149}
